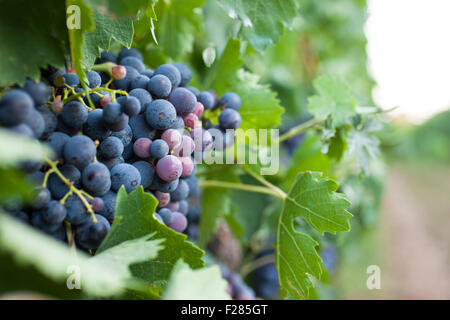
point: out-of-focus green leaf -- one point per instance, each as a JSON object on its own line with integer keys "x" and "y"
{"x": 134, "y": 219}
{"x": 333, "y": 98}
{"x": 263, "y": 21}
{"x": 202, "y": 284}
{"x": 106, "y": 275}
{"x": 17, "y": 148}
{"x": 31, "y": 36}
{"x": 260, "y": 107}
{"x": 177, "y": 23}
{"x": 216, "y": 202}
{"x": 364, "y": 144}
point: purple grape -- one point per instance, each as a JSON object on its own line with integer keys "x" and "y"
{"x": 169, "y": 168}
{"x": 179, "y": 222}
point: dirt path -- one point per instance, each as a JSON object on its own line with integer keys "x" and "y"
{"x": 416, "y": 237}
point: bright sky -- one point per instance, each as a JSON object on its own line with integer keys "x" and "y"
{"x": 409, "y": 55}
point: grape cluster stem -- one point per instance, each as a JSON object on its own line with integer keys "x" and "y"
{"x": 72, "y": 189}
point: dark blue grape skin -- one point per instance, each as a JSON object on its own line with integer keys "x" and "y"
{"x": 74, "y": 114}
{"x": 230, "y": 100}
{"x": 178, "y": 124}
{"x": 111, "y": 163}
{"x": 127, "y": 175}
{"x": 79, "y": 151}
{"x": 125, "y": 135}
{"x": 109, "y": 205}
{"x": 131, "y": 106}
{"x": 143, "y": 96}
{"x": 112, "y": 113}
{"x": 146, "y": 171}
{"x": 185, "y": 72}
{"x": 160, "y": 114}
{"x": 36, "y": 178}
{"x": 207, "y": 99}
{"x": 170, "y": 72}
{"x": 124, "y": 84}
{"x": 15, "y": 106}
{"x": 40, "y": 196}
{"x": 38, "y": 221}
{"x": 140, "y": 128}
{"x": 111, "y": 147}
{"x": 128, "y": 152}
{"x": 60, "y": 234}
{"x": 21, "y": 216}
{"x": 57, "y": 187}
{"x": 132, "y": 52}
{"x": 133, "y": 62}
{"x": 163, "y": 186}
{"x": 90, "y": 235}
{"x": 159, "y": 86}
{"x": 76, "y": 210}
{"x": 183, "y": 100}
{"x": 194, "y": 90}
{"x": 95, "y": 127}
{"x": 183, "y": 207}
{"x": 22, "y": 129}
{"x": 36, "y": 123}
{"x": 94, "y": 79}
{"x": 50, "y": 121}
{"x": 192, "y": 231}
{"x": 159, "y": 148}
{"x": 38, "y": 91}
{"x": 181, "y": 192}
{"x": 192, "y": 182}
{"x": 71, "y": 79}
{"x": 148, "y": 72}
{"x": 30, "y": 166}
{"x": 166, "y": 215}
{"x": 140, "y": 81}
{"x": 229, "y": 119}
{"x": 54, "y": 213}
{"x": 96, "y": 179}
{"x": 106, "y": 56}
{"x": 120, "y": 124}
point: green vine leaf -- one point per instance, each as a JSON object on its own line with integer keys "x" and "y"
{"x": 314, "y": 199}
{"x": 134, "y": 219}
{"x": 76, "y": 36}
{"x": 203, "y": 284}
{"x": 263, "y": 21}
{"x": 31, "y": 36}
{"x": 100, "y": 38}
{"x": 260, "y": 106}
{"x": 106, "y": 275}
{"x": 120, "y": 8}
{"x": 334, "y": 98}
{"x": 363, "y": 144}
{"x": 177, "y": 23}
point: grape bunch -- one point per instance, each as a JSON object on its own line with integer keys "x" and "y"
{"x": 130, "y": 126}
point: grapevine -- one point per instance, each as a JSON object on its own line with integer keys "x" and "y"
{"x": 110, "y": 131}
